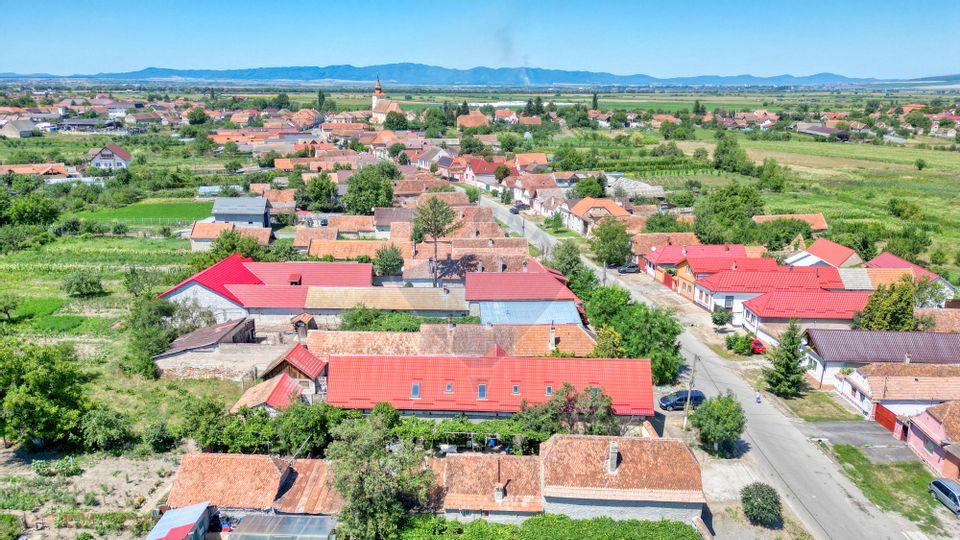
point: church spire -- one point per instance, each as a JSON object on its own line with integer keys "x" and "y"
{"x": 377, "y": 89}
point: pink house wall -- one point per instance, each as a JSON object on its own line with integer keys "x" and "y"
{"x": 924, "y": 428}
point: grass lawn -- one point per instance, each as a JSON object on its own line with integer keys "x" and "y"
{"x": 900, "y": 487}
{"x": 819, "y": 407}
{"x": 157, "y": 211}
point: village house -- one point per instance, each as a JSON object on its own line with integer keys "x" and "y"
{"x": 767, "y": 315}
{"x": 241, "y": 211}
{"x": 825, "y": 252}
{"x": 480, "y": 173}
{"x": 728, "y": 290}
{"x": 891, "y": 261}
{"x": 585, "y": 213}
{"x": 273, "y": 395}
{"x": 661, "y": 263}
{"x": 933, "y": 436}
{"x": 110, "y": 156}
{"x": 488, "y": 386}
{"x": 301, "y": 365}
{"x": 829, "y": 352}
{"x": 474, "y": 118}
{"x": 18, "y": 129}
{"x": 528, "y": 161}
{"x": 522, "y": 298}
{"x": 886, "y": 392}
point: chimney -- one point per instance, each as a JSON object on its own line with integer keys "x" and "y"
{"x": 734, "y": 265}
{"x": 613, "y": 459}
{"x": 502, "y": 265}
{"x": 524, "y": 265}
{"x": 488, "y": 325}
{"x": 476, "y": 233}
{"x": 450, "y": 324}
{"x": 490, "y": 242}
{"x": 296, "y": 279}
{"x": 906, "y": 358}
{"x": 446, "y": 291}
{"x": 726, "y": 248}
{"x": 684, "y": 250}
{"x": 553, "y": 338}
{"x": 499, "y": 492}
{"x": 480, "y": 266}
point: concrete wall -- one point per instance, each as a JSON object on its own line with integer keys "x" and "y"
{"x": 223, "y": 309}
{"x": 621, "y": 510}
{"x": 234, "y": 361}
{"x": 509, "y": 518}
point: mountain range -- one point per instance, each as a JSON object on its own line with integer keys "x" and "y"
{"x": 421, "y": 74}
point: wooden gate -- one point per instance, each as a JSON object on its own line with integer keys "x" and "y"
{"x": 884, "y": 416}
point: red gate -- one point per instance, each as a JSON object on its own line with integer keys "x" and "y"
{"x": 668, "y": 280}
{"x": 884, "y": 416}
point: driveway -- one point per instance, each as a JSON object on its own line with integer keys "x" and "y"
{"x": 827, "y": 503}
{"x": 870, "y": 437}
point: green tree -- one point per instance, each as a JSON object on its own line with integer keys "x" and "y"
{"x": 473, "y": 194}
{"x": 435, "y": 219}
{"x": 721, "y": 317}
{"x": 588, "y": 187}
{"x": 605, "y": 304}
{"x": 720, "y": 422}
{"x": 609, "y": 344}
{"x": 610, "y": 241}
{"x": 651, "y": 332}
{"x": 321, "y": 98}
{"x": 395, "y": 149}
{"x": 395, "y": 121}
{"x": 204, "y": 419}
{"x": 320, "y": 194}
{"x": 197, "y": 117}
{"x": 83, "y": 283}
{"x": 595, "y": 101}
{"x": 565, "y": 257}
{"x": 554, "y": 222}
{"x": 725, "y": 214}
{"x": 105, "y": 429}
{"x": 728, "y": 156}
{"x": 890, "y": 308}
{"x": 920, "y": 164}
{"x": 233, "y": 165}
{"x": 665, "y": 223}
{"x": 785, "y": 377}
{"x": 909, "y": 243}
{"x": 501, "y": 172}
{"x": 158, "y": 437}
{"x": 9, "y": 303}
{"x": 389, "y": 261}
{"x": 33, "y": 209}
{"x": 41, "y": 392}
{"x": 379, "y": 485}
{"x": 370, "y": 187}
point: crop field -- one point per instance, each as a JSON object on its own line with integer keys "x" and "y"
{"x": 154, "y": 211}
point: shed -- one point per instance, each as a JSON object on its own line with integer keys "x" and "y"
{"x": 258, "y": 527}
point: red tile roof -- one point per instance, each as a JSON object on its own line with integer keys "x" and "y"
{"x": 674, "y": 254}
{"x": 304, "y": 360}
{"x": 230, "y": 270}
{"x": 322, "y": 274}
{"x": 760, "y": 282}
{"x": 208, "y": 231}
{"x": 830, "y": 252}
{"x": 889, "y": 260}
{"x": 227, "y": 480}
{"x": 482, "y": 166}
{"x": 261, "y": 296}
{"x": 277, "y": 393}
{"x": 360, "y": 382}
{"x": 712, "y": 265}
{"x": 482, "y": 286}
{"x": 841, "y": 305}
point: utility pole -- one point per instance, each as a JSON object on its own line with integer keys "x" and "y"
{"x": 690, "y": 381}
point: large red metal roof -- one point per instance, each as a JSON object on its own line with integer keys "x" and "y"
{"x": 841, "y": 305}
{"x": 493, "y": 286}
{"x": 321, "y": 274}
{"x": 360, "y": 382}
{"x": 216, "y": 277}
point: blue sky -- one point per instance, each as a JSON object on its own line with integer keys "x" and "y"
{"x": 659, "y": 38}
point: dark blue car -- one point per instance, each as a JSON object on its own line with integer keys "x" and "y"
{"x": 678, "y": 399}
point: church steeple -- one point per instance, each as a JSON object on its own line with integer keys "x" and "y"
{"x": 377, "y": 89}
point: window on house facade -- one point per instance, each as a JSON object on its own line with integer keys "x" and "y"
{"x": 481, "y": 391}
{"x": 928, "y": 446}
{"x": 415, "y": 390}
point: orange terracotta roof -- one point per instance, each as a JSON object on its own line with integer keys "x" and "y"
{"x": 278, "y": 393}
{"x": 944, "y": 320}
{"x": 453, "y": 198}
{"x": 532, "y": 158}
{"x": 643, "y": 243}
{"x": 261, "y": 234}
{"x": 948, "y": 414}
{"x": 312, "y": 490}
{"x": 208, "y": 231}
{"x": 306, "y": 234}
{"x": 324, "y": 343}
{"x": 287, "y": 196}
{"x": 259, "y": 188}
{"x": 887, "y": 276}
{"x": 471, "y": 480}
{"x": 227, "y": 480}
{"x": 346, "y": 249}
{"x": 351, "y": 224}
{"x": 587, "y": 206}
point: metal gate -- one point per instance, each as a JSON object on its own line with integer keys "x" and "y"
{"x": 668, "y": 280}
{"x": 884, "y": 416}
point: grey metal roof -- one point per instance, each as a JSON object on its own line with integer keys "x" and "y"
{"x": 240, "y": 205}
{"x": 855, "y": 279}
{"x": 288, "y": 527}
{"x": 862, "y": 346}
{"x": 546, "y": 312}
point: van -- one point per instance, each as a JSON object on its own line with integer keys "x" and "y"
{"x": 948, "y": 492}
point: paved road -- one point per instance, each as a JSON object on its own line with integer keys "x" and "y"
{"x": 827, "y": 503}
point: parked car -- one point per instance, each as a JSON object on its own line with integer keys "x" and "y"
{"x": 514, "y": 210}
{"x": 948, "y": 492}
{"x": 324, "y": 222}
{"x": 757, "y": 347}
{"x": 521, "y": 205}
{"x": 629, "y": 268}
{"x": 678, "y": 400}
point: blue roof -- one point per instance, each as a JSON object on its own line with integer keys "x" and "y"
{"x": 543, "y": 312}
{"x": 178, "y": 517}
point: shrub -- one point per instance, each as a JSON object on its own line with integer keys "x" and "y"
{"x": 104, "y": 429}
{"x": 761, "y": 504}
{"x": 11, "y": 527}
{"x": 59, "y": 467}
{"x": 119, "y": 229}
{"x": 158, "y": 437}
{"x": 83, "y": 283}
{"x": 741, "y": 344}
{"x": 473, "y": 194}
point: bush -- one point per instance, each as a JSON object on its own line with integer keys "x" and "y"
{"x": 83, "y": 283}
{"x": 59, "y": 467}
{"x": 473, "y": 194}
{"x": 104, "y": 429}
{"x": 158, "y": 437}
{"x": 119, "y": 229}
{"x": 721, "y": 317}
{"x": 11, "y": 527}
{"x": 761, "y": 504}
{"x": 741, "y": 344}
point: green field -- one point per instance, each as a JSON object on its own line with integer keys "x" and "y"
{"x": 154, "y": 211}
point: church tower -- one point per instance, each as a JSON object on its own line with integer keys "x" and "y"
{"x": 377, "y": 94}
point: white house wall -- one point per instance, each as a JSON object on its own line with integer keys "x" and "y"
{"x": 622, "y": 510}
{"x": 223, "y": 308}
